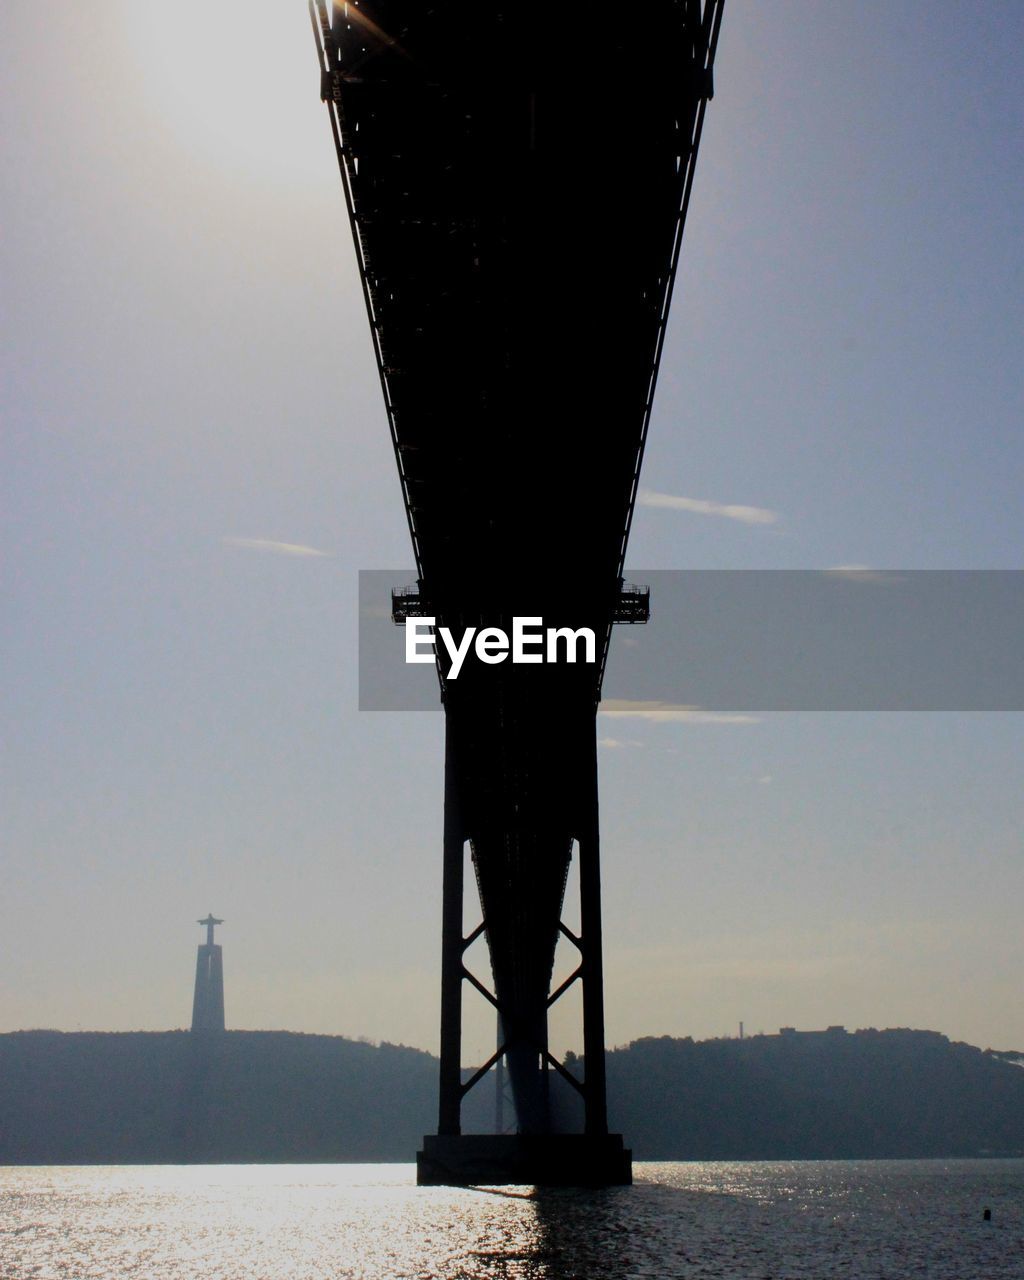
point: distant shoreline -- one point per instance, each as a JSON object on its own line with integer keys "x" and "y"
{"x": 278, "y": 1097}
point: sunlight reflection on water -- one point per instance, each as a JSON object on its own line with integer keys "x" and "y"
{"x": 303, "y": 1222}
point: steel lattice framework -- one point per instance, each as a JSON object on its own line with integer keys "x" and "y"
{"x": 517, "y": 181}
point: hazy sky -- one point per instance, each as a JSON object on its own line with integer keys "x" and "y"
{"x": 197, "y": 464}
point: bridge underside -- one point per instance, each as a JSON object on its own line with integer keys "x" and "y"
{"x": 517, "y": 180}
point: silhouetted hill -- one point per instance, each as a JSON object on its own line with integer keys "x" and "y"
{"x": 816, "y": 1095}
{"x": 169, "y": 1097}
{"x": 93, "y": 1097}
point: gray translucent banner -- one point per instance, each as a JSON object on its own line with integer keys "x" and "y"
{"x": 772, "y": 640}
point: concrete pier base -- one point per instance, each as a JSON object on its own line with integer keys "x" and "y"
{"x": 546, "y": 1160}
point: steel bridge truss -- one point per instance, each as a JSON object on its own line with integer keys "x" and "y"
{"x": 517, "y": 183}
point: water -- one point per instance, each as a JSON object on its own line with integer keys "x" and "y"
{"x": 862, "y": 1220}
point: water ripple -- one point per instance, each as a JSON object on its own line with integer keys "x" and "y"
{"x": 742, "y": 1221}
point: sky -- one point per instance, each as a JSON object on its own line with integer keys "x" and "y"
{"x": 197, "y": 465}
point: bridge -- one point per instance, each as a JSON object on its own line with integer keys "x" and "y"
{"x": 517, "y": 181}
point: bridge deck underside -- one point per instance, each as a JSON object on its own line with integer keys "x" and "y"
{"x": 516, "y": 178}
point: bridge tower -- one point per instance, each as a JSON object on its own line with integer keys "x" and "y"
{"x": 517, "y": 181}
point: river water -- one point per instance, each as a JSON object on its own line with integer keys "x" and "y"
{"x": 862, "y": 1220}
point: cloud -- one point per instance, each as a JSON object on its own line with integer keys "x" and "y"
{"x": 862, "y": 573}
{"x": 275, "y": 548}
{"x": 703, "y": 507}
{"x": 615, "y": 743}
{"x": 670, "y": 713}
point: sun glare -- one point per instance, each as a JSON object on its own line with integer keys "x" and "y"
{"x": 236, "y": 84}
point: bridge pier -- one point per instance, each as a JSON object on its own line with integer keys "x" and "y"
{"x": 449, "y": 1121}
{"x": 524, "y": 1159}
{"x": 537, "y": 1153}
{"x": 591, "y": 957}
